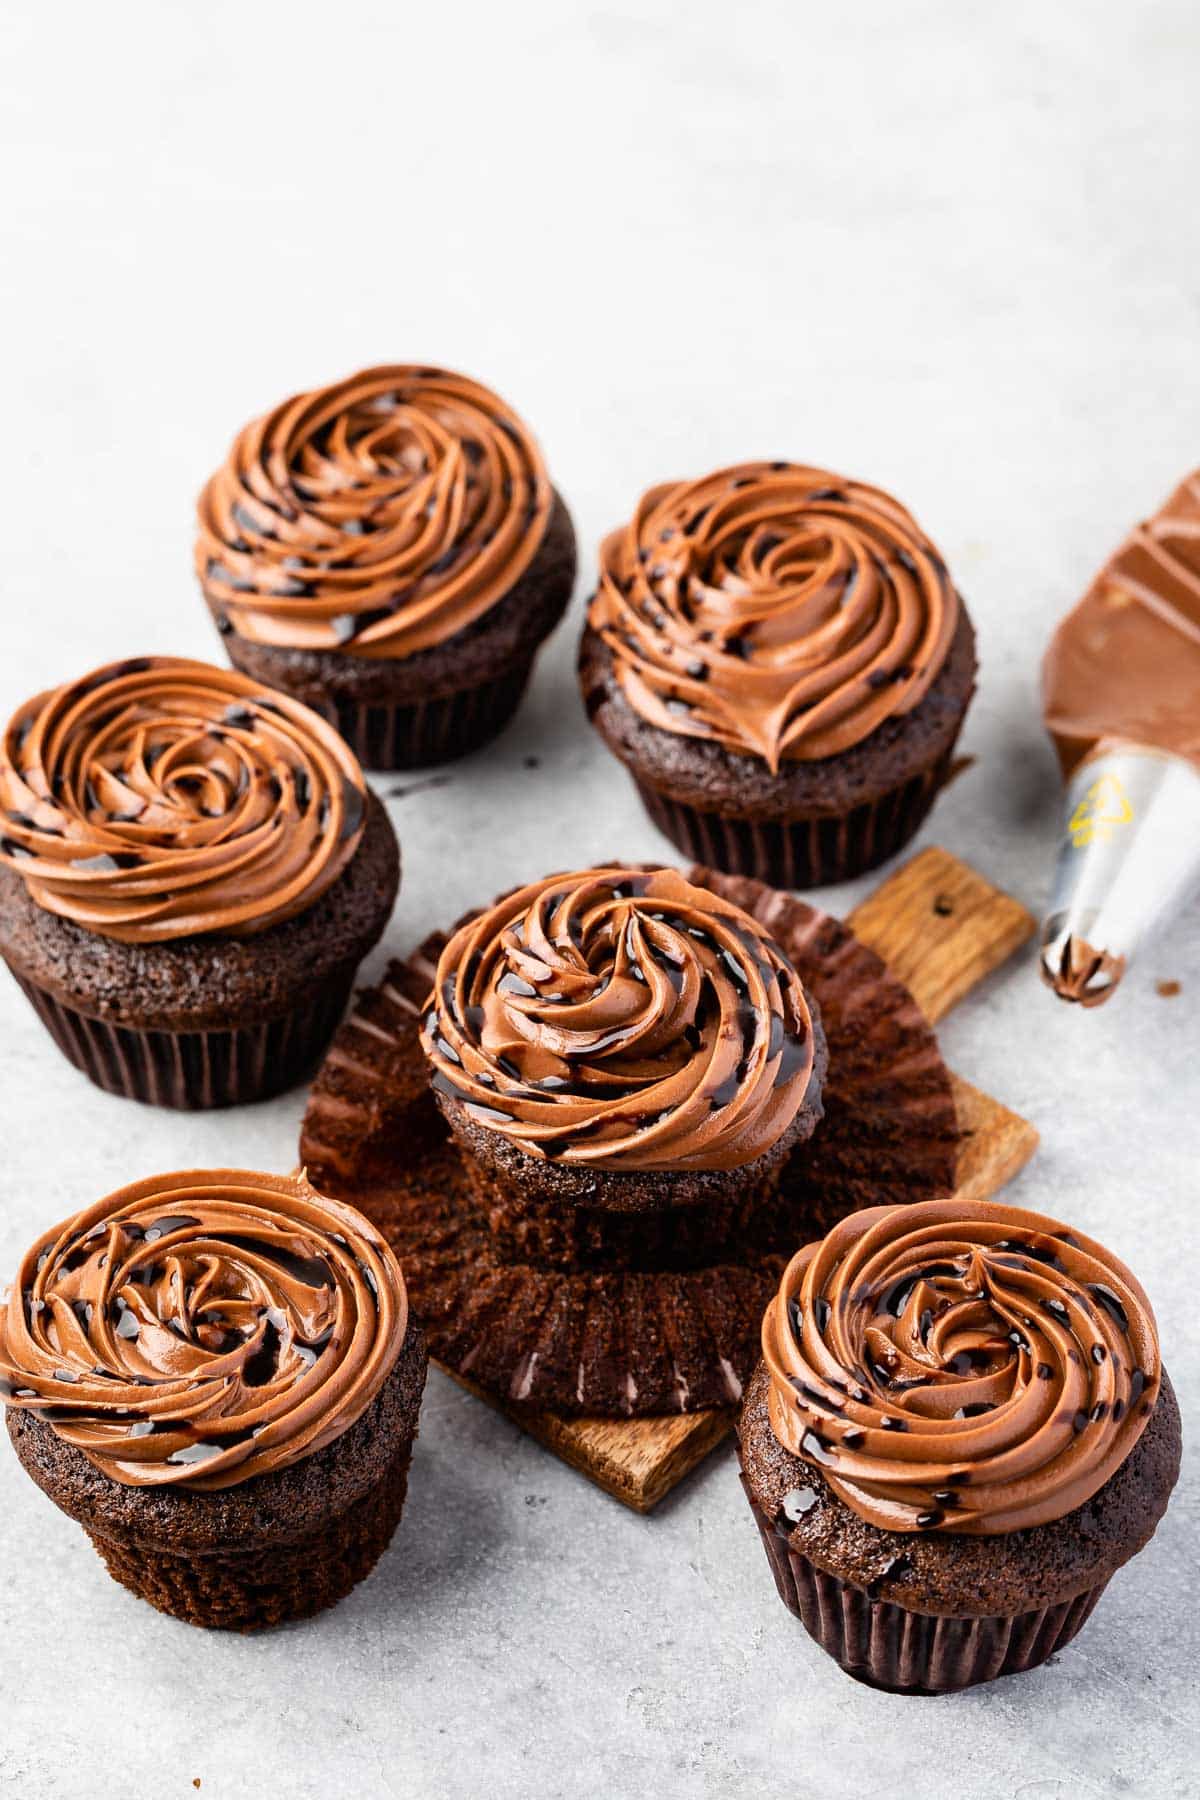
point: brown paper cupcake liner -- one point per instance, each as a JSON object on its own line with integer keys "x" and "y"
{"x": 252, "y": 1589}
{"x": 411, "y": 734}
{"x": 889, "y": 1646}
{"x": 802, "y": 852}
{"x": 624, "y": 1341}
{"x": 618, "y": 1342}
{"x": 551, "y": 1235}
{"x": 194, "y": 1070}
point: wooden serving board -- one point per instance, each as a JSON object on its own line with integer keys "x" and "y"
{"x": 941, "y": 929}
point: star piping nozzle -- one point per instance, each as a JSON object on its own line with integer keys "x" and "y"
{"x": 1129, "y": 858}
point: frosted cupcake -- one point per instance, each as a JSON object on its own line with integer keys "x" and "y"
{"x": 191, "y": 870}
{"x": 216, "y": 1374}
{"x": 623, "y": 1056}
{"x": 390, "y": 551}
{"x": 780, "y": 658}
{"x": 961, "y": 1428}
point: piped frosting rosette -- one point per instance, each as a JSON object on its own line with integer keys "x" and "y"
{"x": 778, "y": 610}
{"x": 157, "y": 798}
{"x": 202, "y": 1328}
{"x": 621, "y": 1018}
{"x": 966, "y": 1367}
{"x": 378, "y": 516}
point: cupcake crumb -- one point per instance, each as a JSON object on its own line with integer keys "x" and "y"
{"x": 1167, "y": 989}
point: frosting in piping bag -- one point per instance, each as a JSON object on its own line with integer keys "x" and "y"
{"x": 157, "y": 798}
{"x": 963, "y": 1366}
{"x": 1124, "y": 665}
{"x": 621, "y": 1018}
{"x": 781, "y": 611}
{"x": 199, "y": 1329}
{"x": 377, "y": 516}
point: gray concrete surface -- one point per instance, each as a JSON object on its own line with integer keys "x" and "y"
{"x": 948, "y": 247}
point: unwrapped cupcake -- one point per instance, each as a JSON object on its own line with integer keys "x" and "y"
{"x": 626, "y": 1062}
{"x": 216, "y": 1374}
{"x": 780, "y": 658}
{"x": 961, "y": 1428}
{"x": 191, "y": 870}
{"x": 389, "y": 550}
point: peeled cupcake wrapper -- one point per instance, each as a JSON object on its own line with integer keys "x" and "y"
{"x": 626, "y": 1341}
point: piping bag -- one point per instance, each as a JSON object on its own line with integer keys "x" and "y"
{"x": 1121, "y": 694}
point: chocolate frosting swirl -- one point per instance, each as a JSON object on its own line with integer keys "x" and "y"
{"x": 960, "y": 1365}
{"x": 195, "y": 1330}
{"x": 158, "y": 798}
{"x": 622, "y": 1019}
{"x": 378, "y": 516}
{"x": 778, "y": 610}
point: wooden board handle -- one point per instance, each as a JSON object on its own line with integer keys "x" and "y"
{"x": 940, "y": 928}
{"x": 996, "y": 1143}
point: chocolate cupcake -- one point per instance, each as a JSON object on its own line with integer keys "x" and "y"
{"x": 390, "y": 551}
{"x": 627, "y": 1062}
{"x": 216, "y": 1374}
{"x": 191, "y": 871}
{"x": 782, "y": 662}
{"x": 960, "y": 1430}
{"x": 586, "y": 1310}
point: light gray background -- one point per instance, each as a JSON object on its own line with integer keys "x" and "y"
{"x": 947, "y": 246}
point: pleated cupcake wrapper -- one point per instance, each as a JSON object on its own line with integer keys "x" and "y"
{"x": 250, "y": 1590}
{"x": 615, "y": 1341}
{"x": 550, "y": 1234}
{"x": 193, "y": 1070}
{"x": 411, "y": 734}
{"x": 799, "y": 852}
{"x": 889, "y": 1646}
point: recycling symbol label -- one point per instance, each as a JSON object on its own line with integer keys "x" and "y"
{"x": 1103, "y": 809}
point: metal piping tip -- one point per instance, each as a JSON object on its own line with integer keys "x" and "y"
{"x": 1075, "y": 969}
{"x": 1130, "y": 855}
